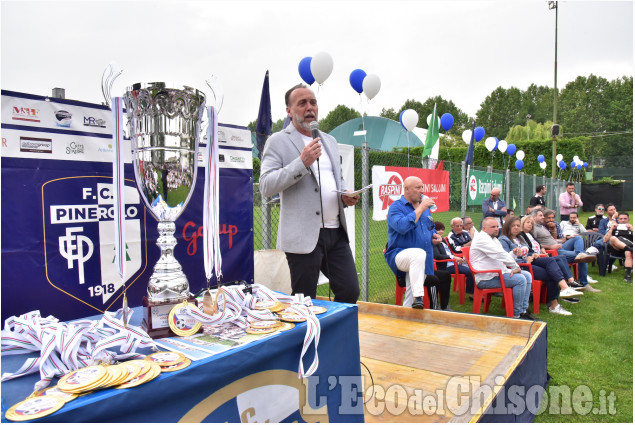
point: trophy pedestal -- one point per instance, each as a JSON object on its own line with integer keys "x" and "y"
{"x": 156, "y": 317}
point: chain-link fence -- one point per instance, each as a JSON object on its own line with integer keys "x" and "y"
{"x": 378, "y": 281}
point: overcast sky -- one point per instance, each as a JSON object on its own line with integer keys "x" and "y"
{"x": 461, "y": 50}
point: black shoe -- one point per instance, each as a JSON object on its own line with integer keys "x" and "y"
{"x": 575, "y": 284}
{"x": 417, "y": 303}
{"x": 528, "y": 316}
{"x": 627, "y": 276}
{"x": 571, "y": 300}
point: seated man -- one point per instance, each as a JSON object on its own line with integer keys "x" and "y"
{"x": 409, "y": 252}
{"x": 572, "y": 249}
{"x": 443, "y": 252}
{"x": 572, "y": 227}
{"x": 619, "y": 240}
{"x": 458, "y": 237}
{"x": 468, "y": 226}
{"x": 593, "y": 222}
{"x": 487, "y": 253}
{"x": 611, "y": 217}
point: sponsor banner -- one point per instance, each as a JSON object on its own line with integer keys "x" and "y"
{"x": 480, "y": 185}
{"x": 238, "y": 137}
{"x": 41, "y": 144}
{"x": 237, "y": 159}
{"x": 57, "y": 225}
{"x": 388, "y": 187}
{"x": 36, "y": 111}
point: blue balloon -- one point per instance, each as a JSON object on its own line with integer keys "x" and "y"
{"x": 357, "y": 79}
{"x": 400, "y": 121}
{"x": 572, "y": 164}
{"x": 519, "y": 164}
{"x": 511, "y": 149}
{"x": 496, "y": 145}
{"x": 541, "y": 158}
{"x": 586, "y": 164}
{"x": 562, "y": 165}
{"x": 447, "y": 121}
{"x": 305, "y": 70}
{"x": 479, "y": 133}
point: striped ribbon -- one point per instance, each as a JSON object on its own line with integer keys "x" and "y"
{"x": 64, "y": 347}
{"x": 211, "y": 221}
{"x": 119, "y": 198}
{"x": 237, "y": 307}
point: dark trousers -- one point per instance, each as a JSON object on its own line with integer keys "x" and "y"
{"x": 332, "y": 255}
{"x": 469, "y": 277}
{"x": 439, "y": 284}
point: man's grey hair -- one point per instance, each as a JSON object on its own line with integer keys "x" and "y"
{"x": 455, "y": 219}
{"x": 548, "y": 212}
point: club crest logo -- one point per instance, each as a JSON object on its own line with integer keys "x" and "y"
{"x": 79, "y": 238}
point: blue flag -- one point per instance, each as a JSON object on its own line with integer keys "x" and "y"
{"x": 469, "y": 156}
{"x": 264, "y": 122}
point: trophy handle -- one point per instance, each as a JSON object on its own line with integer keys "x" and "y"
{"x": 216, "y": 86}
{"x": 108, "y": 78}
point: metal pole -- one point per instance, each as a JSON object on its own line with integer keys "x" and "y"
{"x": 365, "y": 223}
{"x": 463, "y": 188}
{"x": 507, "y": 186}
{"x": 554, "y": 5}
{"x": 265, "y": 215}
{"x": 522, "y": 191}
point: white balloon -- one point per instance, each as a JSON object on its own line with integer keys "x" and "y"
{"x": 371, "y": 85}
{"x": 409, "y": 119}
{"x": 467, "y": 136}
{"x": 502, "y": 146}
{"x": 490, "y": 143}
{"x": 576, "y": 159}
{"x": 559, "y": 157}
{"x": 438, "y": 121}
{"x": 520, "y": 155}
{"x": 321, "y": 66}
{"x": 543, "y": 164}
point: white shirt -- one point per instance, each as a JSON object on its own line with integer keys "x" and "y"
{"x": 330, "y": 205}
{"x": 487, "y": 253}
{"x": 571, "y": 229}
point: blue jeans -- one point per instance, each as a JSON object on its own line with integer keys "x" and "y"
{"x": 570, "y": 249}
{"x": 521, "y": 288}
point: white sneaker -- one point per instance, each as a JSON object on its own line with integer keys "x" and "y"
{"x": 570, "y": 292}
{"x": 613, "y": 268}
{"x": 590, "y": 279}
{"x": 560, "y": 310}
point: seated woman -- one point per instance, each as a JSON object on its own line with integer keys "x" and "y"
{"x": 544, "y": 268}
{"x": 442, "y": 252}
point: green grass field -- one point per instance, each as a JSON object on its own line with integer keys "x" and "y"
{"x": 591, "y": 349}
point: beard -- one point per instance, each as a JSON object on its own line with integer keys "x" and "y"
{"x": 302, "y": 122}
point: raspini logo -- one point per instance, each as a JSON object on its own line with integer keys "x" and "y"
{"x": 473, "y": 187}
{"x": 390, "y": 192}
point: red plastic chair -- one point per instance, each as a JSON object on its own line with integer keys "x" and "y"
{"x": 399, "y": 292}
{"x": 539, "y": 295}
{"x": 554, "y": 253}
{"x": 459, "y": 279}
{"x": 479, "y": 294}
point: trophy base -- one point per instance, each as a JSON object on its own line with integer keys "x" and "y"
{"x": 155, "y": 322}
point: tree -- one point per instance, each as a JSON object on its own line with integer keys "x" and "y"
{"x": 337, "y": 116}
{"x": 500, "y": 111}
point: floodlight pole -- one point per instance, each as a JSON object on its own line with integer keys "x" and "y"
{"x": 554, "y": 5}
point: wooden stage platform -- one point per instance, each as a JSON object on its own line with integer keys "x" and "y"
{"x": 436, "y": 366}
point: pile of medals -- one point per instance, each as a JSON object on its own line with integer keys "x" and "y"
{"x": 93, "y": 378}
{"x": 285, "y": 320}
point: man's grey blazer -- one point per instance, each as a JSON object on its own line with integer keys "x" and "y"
{"x": 282, "y": 171}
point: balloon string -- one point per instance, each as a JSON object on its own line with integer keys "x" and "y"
{"x": 408, "y": 138}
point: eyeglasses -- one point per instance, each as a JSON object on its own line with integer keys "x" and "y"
{"x": 600, "y": 209}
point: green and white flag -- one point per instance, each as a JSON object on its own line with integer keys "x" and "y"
{"x": 432, "y": 137}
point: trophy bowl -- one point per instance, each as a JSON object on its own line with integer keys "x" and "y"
{"x": 164, "y": 128}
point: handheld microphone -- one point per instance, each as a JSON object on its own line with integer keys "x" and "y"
{"x": 314, "y": 126}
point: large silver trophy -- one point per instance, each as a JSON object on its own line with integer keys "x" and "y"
{"x": 164, "y": 130}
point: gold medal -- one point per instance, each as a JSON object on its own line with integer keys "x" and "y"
{"x": 291, "y": 317}
{"x": 166, "y": 358}
{"x": 124, "y": 373}
{"x": 83, "y": 379}
{"x": 57, "y": 393}
{"x": 279, "y": 307}
{"x": 266, "y": 305}
{"x": 316, "y": 309}
{"x": 286, "y": 326}
{"x": 264, "y": 324}
{"x": 34, "y": 407}
{"x": 180, "y": 322}
{"x": 144, "y": 365}
{"x": 153, "y": 371}
{"x": 185, "y": 363}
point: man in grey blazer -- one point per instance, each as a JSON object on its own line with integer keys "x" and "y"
{"x": 312, "y": 228}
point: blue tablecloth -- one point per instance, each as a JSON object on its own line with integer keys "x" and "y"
{"x": 252, "y": 383}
